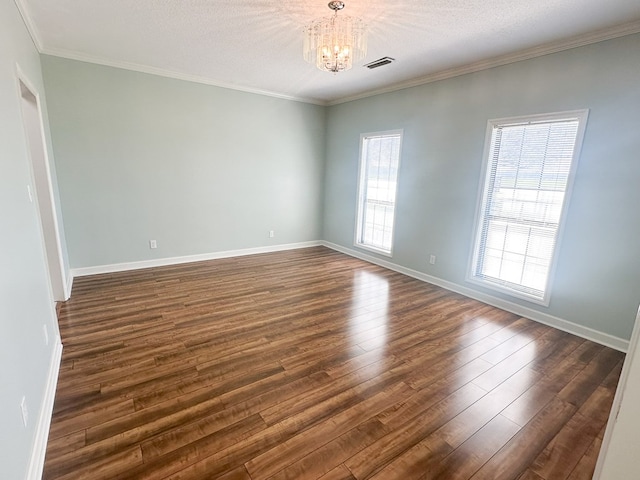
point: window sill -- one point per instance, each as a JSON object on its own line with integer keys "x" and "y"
{"x": 379, "y": 251}
{"x": 544, "y": 301}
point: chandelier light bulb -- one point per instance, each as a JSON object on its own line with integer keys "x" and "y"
{"x": 334, "y": 43}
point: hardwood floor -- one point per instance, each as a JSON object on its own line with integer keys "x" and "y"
{"x": 310, "y": 364}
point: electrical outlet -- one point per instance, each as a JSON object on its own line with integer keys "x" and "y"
{"x": 46, "y": 334}
{"x": 153, "y": 244}
{"x": 29, "y": 193}
{"x": 272, "y": 234}
{"x": 432, "y": 259}
{"x": 24, "y": 410}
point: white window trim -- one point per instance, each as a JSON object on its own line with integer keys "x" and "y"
{"x": 581, "y": 116}
{"x": 360, "y": 196}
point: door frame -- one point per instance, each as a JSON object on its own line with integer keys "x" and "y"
{"x": 41, "y": 186}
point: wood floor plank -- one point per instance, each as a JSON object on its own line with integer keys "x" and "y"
{"x": 104, "y": 468}
{"x": 563, "y": 453}
{"x": 565, "y": 450}
{"x": 68, "y": 443}
{"x": 586, "y": 465}
{"x": 596, "y": 371}
{"x": 228, "y": 439}
{"x": 519, "y": 452}
{"x": 345, "y": 391}
{"x": 339, "y": 473}
{"x": 274, "y": 460}
{"x": 529, "y": 475}
{"x": 65, "y": 425}
{"x": 465, "y": 424}
{"x": 309, "y": 364}
{"x": 414, "y": 429}
{"x": 464, "y": 461}
{"x": 434, "y": 392}
{"x": 327, "y": 457}
{"x": 239, "y": 473}
{"x": 456, "y": 431}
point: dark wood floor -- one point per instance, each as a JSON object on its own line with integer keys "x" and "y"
{"x": 310, "y": 364}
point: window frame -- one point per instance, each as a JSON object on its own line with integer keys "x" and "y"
{"x": 362, "y": 189}
{"x": 481, "y": 203}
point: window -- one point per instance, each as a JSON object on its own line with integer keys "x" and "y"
{"x": 528, "y": 172}
{"x": 378, "y": 180}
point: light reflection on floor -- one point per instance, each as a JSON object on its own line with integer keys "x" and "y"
{"x": 369, "y": 318}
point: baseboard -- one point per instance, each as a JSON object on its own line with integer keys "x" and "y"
{"x": 550, "y": 320}
{"x": 36, "y": 465}
{"x": 68, "y": 287}
{"x": 163, "y": 262}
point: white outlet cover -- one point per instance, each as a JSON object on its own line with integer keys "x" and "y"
{"x": 46, "y": 334}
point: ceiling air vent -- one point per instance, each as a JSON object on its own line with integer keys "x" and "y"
{"x": 380, "y": 62}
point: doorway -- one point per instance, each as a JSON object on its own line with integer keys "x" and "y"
{"x": 42, "y": 191}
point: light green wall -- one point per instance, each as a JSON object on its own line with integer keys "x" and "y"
{"x": 25, "y": 300}
{"x": 203, "y": 169}
{"x": 597, "y": 282}
{"x": 198, "y": 168}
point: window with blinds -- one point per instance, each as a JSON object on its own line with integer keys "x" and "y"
{"x": 528, "y": 172}
{"x": 378, "y": 180}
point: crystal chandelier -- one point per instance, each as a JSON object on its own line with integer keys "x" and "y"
{"x": 334, "y": 43}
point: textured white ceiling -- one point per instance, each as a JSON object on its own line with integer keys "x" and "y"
{"x": 257, "y": 44}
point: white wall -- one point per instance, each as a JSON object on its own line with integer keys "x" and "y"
{"x": 598, "y": 274}
{"x": 203, "y": 169}
{"x": 200, "y": 169}
{"x": 26, "y": 303}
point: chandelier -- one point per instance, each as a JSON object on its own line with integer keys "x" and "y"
{"x": 334, "y": 43}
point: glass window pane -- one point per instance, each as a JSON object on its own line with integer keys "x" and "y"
{"x": 528, "y": 172}
{"x": 379, "y": 175}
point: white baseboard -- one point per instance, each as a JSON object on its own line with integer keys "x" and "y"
{"x": 163, "y": 262}
{"x": 36, "y": 464}
{"x": 556, "y": 322}
{"x": 68, "y": 287}
{"x": 541, "y": 317}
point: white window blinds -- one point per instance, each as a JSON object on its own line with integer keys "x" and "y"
{"x": 528, "y": 172}
{"x": 380, "y": 158}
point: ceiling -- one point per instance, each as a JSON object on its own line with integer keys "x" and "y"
{"x": 256, "y": 45}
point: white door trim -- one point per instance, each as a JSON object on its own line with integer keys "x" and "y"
{"x": 617, "y": 400}
{"x": 43, "y": 188}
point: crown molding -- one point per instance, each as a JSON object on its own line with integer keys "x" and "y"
{"x": 534, "y": 52}
{"x": 161, "y": 72}
{"x": 527, "y": 54}
{"x": 31, "y": 27}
